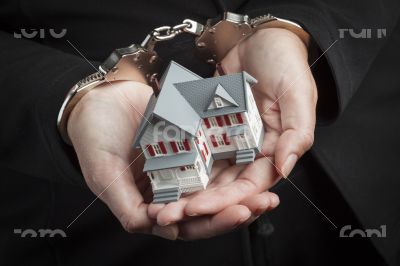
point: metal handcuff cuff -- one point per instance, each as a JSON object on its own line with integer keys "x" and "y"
{"x": 213, "y": 42}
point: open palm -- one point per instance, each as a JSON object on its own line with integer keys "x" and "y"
{"x": 102, "y": 128}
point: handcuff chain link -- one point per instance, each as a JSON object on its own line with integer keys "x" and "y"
{"x": 165, "y": 33}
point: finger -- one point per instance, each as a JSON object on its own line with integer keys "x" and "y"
{"x": 175, "y": 211}
{"x": 209, "y": 226}
{"x": 172, "y": 212}
{"x": 255, "y": 178}
{"x": 298, "y": 114}
{"x": 260, "y": 203}
{"x": 168, "y": 232}
{"x": 154, "y": 209}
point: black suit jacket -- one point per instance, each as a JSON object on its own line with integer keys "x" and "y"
{"x": 357, "y": 134}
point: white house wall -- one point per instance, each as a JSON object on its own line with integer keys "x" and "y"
{"x": 253, "y": 115}
{"x": 216, "y": 131}
{"x": 151, "y": 136}
{"x": 202, "y": 139}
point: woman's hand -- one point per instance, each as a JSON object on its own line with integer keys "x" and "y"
{"x": 286, "y": 97}
{"x": 102, "y": 128}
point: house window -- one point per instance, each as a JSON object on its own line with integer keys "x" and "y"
{"x": 233, "y": 119}
{"x": 180, "y": 146}
{"x": 213, "y": 122}
{"x": 220, "y": 140}
{"x": 218, "y": 102}
{"x": 157, "y": 149}
{"x": 236, "y": 118}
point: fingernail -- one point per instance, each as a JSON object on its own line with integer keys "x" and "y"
{"x": 289, "y": 164}
{"x": 193, "y": 214}
{"x": 163, "y": 232}
{"x": 274, "y": 201}
{"x": 241, "y": 221}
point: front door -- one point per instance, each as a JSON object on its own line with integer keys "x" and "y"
{"x": 241, "y": 142}
{"x": 164, "y": 178}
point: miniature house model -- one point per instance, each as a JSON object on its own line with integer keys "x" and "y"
{"x": 192, "y": 123}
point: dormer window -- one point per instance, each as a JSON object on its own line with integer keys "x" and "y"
{"x": 180, "y": 146}
{"x": 218, "y": 102}
{"x": 157, "y": 149}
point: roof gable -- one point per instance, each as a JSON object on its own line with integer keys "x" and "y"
{"x": 224, "y": 96}
{"x": 200, "y": 93}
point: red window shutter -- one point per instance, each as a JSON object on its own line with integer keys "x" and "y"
{"x": 202, "y": 155}
{"x": 173, "y": 146}
{"x": 219, "y": 121}
{"x": 214, "y": 141}
{"x": 150, "y": 150}
{"x": 227, "y": 120}
{"x": 207, "y": 122}
{"x": 239, "y": 118}
{"x": 162, "y": 147}
{"x": 186, "y": 144}
{"x": 226, "y": 140}
{"x": 183, "y": 168}
{"x": 205, "y": 148}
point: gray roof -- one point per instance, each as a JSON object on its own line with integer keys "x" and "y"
{"x": 171, "y": 106}
{"x": 185, "y": 97}
{"x": 199, "y": 93}
{"x": 148, "y": 118}
{"x": 164, "y": 162}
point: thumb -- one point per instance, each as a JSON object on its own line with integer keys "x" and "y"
{"x": 298, "y": 115}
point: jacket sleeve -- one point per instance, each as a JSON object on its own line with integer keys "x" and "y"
{"x": 350, "y": 33}
{"x": 34, "y": 79}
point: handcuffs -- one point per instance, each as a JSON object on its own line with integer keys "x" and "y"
{"x": 213, "y": 41}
